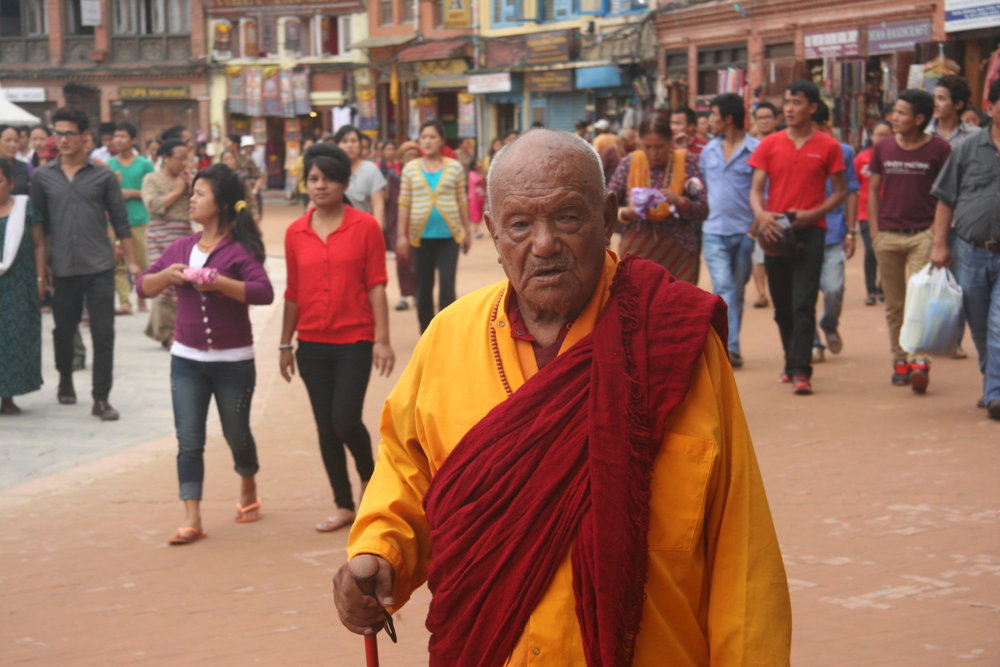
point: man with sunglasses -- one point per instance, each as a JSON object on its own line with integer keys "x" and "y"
{"x": 75, "y": 198}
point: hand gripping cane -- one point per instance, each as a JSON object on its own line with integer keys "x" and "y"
{"x": 365, "y": 576}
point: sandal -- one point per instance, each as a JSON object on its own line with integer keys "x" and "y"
{"x": 761, "y": 302}
{"x": 185, "y": 535}
{"x": 343, "y": 518}
{"x": 248, "y": 514}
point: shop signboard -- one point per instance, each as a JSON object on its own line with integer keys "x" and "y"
{"x": 458, "y": 14}
{"x": 154, "y": 92}
{"x": 898, "y": 36}
{"x": 547, "y": 48}
{"x": 466, "y": 115}
{"x": 832, "y": 44}
{"x": 24, "y": 94}
{"x": 367, "y": 118}
{"x": 558, "y": 81}
{"x": 430, "y": 81}
{"x": 489, "y": 83}
{"x": 971, "y": 14}
{"x": 90, "y": 12}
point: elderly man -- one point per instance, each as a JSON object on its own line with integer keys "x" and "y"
{"x": 596, "y": 499}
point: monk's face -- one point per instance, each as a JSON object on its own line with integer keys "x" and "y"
{"x": 550, "y": 224}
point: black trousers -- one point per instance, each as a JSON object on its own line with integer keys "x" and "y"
{"x": 871, "y": 263}
{"x": 794, "y": 284}
{"x": 336, "y": 378}
{"x": 441, "y": 256}
{"x": 98, "y": 289}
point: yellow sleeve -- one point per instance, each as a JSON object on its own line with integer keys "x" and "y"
{"x": 749, "y": 611}
{"x": 391, "y": 521}
{"x": 405, "y": 189}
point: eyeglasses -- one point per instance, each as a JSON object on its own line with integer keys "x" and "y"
{"x": 67, "y": 135}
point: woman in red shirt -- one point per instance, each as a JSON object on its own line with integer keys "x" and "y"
{"x": 336, "y": 306}
{"x": 880, "y": 130}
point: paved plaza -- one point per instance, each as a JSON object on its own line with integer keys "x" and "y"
{"x": 886, "y": 505}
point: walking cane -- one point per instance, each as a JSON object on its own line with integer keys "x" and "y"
{"x": 365, "y": 576}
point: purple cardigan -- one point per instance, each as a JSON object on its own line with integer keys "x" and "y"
{"x": 211, "y": 319}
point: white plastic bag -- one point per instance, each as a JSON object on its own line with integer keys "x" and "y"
{"x": 933, "y": 312}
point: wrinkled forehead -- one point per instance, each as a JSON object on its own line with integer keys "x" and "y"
{"x": 538, "y": 168}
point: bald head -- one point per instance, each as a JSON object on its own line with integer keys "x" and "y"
{"x": 544, "y": 151}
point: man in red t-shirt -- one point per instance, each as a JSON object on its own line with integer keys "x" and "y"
{"x": 794, "y": 166}
{"x": 900, "y": 213}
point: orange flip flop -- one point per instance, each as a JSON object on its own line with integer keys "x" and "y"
{"x": 248, "y": 514}
{"x": 186, "y": 535}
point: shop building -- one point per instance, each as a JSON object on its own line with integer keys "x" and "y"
{"x": 420, "y": 52}
{"x": 281, "y": 71}
{"x": 860, "y": 54}
{"x": 135, "y": 60}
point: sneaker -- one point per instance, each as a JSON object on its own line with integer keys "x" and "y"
{"x": 834, "y": 342}
{"x": 819, "y": 355}
{"x": 66, "y": 395}
{"x": 403, "y": 304}
{"x": 801, "y": 385}
{"x": 901, "y": 374}
{"x": 784, "y": 378}
{"x": 870, "y": 301}
{"x": 993, "y": 408}
{"x": 959, "y": 353}
{"x": 735, "y": 359}
{"x": 919, "y": 376}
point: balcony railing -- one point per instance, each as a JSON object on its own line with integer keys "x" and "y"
{"x": 77, "y": 50}
{"x": 151, "y": 48}
{"x": 26, "y": 50}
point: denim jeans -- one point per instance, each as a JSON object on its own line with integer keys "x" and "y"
{"x": 831, "y": 284}
{"x": 336, "y": 378}
{"x": 440, "y": 256}
{"x": 728, "y": 257}
{"x": 793, "y": 283}
{"x": 978, "y": 272}
{"x": 192, "y": 385}
{"x": 98, "y": 290}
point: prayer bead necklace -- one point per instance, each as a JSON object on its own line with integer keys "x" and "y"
{"x": 495, "y": 347}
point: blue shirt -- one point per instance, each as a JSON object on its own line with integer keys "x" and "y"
{"x": 436, "y": 227}
{"x": 836, "y": 223}
{"x": 728, "y": 186}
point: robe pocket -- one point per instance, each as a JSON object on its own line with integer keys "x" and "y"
{"x": 679, "y": 489}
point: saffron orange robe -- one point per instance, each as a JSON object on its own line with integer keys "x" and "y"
{"x": 716, "y": 591}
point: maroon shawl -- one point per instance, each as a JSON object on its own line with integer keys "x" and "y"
{"x": 525, "y": 483}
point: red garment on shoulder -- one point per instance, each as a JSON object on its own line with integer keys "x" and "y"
{"x": 525, "y": 484}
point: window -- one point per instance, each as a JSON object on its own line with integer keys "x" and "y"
{"x": 385, "y": 12}
{"x": 23, "y": 18}
{"x": 557, "y": 10}
{"x": 74, "y": 22}
{"x": 716, "y": 60}
{"x": 676, "y": 64}
{"x": 626, "y": 6}
{"x": 439, "y": 13}
{"x": 408, "y": 10}
{"x": 331, "y": 35}
{"x": 150, "y": 17}
{"x": 506, "y": 11}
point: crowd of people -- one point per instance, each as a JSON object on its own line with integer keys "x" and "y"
{"x": 177, "y": 230}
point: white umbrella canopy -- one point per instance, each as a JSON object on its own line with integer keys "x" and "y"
{"x": 11, "y": 114}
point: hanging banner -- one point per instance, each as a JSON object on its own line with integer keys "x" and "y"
{"x": 367, "y": 118}
{"x": 253, "y": 80}
{"x": 287, "y": 95}
{"x": 832, "y": 44}
{"x": 466, "y": 115}
{"x": 458, "y": 14}
{"x": 415, "y": 119}
{"x": 300, "y": 91}
{"x": 236, "y": 98}
{"x": 258, "y": 128}
{"x": 293, "y": 129}
{"x": 272, "y": 91}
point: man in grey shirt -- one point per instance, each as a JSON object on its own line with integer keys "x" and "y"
{"x": 75, "y": 197}
{"x": 968, "y": 193}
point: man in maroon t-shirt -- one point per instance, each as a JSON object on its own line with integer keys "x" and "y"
{"x": 900, "y": 213}
{"x": 794, "y": 165}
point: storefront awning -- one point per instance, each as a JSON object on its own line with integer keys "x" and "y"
{"x": 442, "y": 50}
{"x": 382, "y": 42}
{"x": 606, "y": 76}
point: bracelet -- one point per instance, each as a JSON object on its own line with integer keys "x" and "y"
{"x": 285, "y": 347}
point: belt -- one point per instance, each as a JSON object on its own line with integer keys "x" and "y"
{"x": 992, "y": 245}
{"x": 906, "y": 231}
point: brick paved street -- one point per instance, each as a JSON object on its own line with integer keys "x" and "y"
{"x": 886, "y": 506}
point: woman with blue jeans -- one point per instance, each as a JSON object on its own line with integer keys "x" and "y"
{"x": 335, "y": 304}
{"x": 218, "y": 273}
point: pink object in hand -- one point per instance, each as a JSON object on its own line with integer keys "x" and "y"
{"x": 201, "y": 276}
